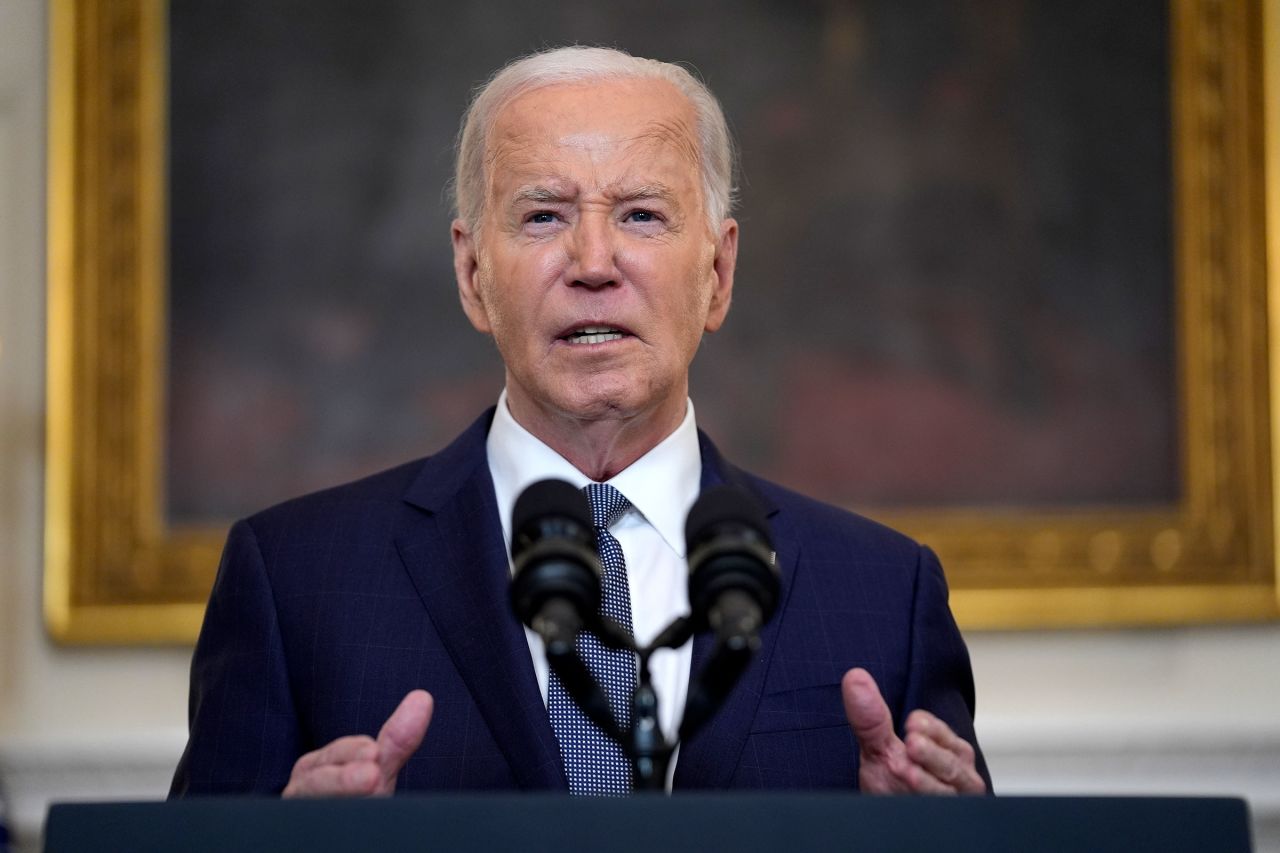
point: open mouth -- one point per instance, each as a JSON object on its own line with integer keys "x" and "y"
{"x": 594, "y": 335}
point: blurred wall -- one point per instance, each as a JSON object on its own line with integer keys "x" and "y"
{"x": 1167, "y": 711}
{"x": 73, "y": 722}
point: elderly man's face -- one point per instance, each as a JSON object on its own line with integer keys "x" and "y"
{"x": 594, "y": 267}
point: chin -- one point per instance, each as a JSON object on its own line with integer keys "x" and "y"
{"x": 598, "y": 401}
{"x": 600, "y": 408}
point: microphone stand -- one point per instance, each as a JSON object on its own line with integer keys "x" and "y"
{"x": 645, "y": 744}
{"x": 649, "y": 750}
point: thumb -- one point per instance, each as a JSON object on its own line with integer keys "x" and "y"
{"x": 402, "y": 733}
{"x": 868, "y": 714}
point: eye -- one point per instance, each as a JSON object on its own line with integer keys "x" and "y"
{"x": 642, "y": 216}
{"x": 541, "y": 217}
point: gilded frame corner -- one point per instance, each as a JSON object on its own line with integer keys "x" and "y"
{"x": 116, "y": 573}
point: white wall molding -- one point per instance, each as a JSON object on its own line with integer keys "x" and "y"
{"x": 38, "y": 771}
{"x": 1110, "y": 757}
{"x": 1152, "y": 758}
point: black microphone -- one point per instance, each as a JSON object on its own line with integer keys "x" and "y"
{"x": 733, "y": 590}
{"x": 733, "y": 582}
{"x": 556, "y": 585}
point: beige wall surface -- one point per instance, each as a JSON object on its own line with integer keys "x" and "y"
{"x": 1153, "y": 711}
{"x": 73, "y": 722}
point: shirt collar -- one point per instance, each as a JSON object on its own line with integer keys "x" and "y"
{"x": 661, "y": 485}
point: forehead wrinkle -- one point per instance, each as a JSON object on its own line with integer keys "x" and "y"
{"x": 508, "y": 153}
{"x": 507, "y": 146}
{"x": 674, "y": 132}
{"x": 522, "y": 153}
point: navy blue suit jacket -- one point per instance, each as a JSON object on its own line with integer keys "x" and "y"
{"x": 328, "y": 609}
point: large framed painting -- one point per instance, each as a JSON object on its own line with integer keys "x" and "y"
{"x": 1002, "y": 285}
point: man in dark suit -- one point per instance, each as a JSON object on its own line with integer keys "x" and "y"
{"x": 593, "y": 242}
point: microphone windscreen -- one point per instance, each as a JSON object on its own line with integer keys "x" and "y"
{"x": 721, "y": 505}
{"x": 553, "y": 554}
{"x": 550, "y": 499}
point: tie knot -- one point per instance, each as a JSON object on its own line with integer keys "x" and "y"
{"x": 607, "y": 504}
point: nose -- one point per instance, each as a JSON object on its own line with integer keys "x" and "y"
{"x": 592, "y": 253}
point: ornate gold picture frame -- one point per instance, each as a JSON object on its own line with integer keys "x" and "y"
{"x": 116, "y": 572}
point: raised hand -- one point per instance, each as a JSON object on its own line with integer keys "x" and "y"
{"x": 360, "y": 766}
{"x": 932, "y": 760}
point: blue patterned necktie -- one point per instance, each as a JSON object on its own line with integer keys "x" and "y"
{"x": 594, "y": 763}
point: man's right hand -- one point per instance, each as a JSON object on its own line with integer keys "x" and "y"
{"x": 359, "y": 766}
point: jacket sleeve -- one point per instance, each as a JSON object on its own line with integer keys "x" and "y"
{"x": 243, "y": 730}
{"x": 939, "y": 675}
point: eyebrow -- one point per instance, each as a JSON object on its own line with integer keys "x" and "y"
{"x": 547, "y": 195}
{"x": 540, "y": 195}
{"x": 659, "y": 192}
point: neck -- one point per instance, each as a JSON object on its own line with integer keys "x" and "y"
{"x": 603, "y": 447}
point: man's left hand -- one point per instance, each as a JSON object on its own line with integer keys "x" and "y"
{"x": 932, "y": 760}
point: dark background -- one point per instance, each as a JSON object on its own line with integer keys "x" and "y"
{"x": 955, "y": 283}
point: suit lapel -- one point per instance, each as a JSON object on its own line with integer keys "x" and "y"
{"x": 455, "y": 556}
{"x": 709, "y": 758}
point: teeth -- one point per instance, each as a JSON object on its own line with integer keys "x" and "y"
{"x": 594, "y": 339}
{"x": 594, "y": 335}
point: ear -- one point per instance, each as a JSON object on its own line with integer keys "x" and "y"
{"x": 723, "y": 265}
{"x": 466, "y": 268}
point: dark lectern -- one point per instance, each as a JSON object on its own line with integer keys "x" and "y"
{"x": 776, "y": 823}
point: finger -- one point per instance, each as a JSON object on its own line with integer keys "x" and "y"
{"x": 942, "y": 764}
{"x": 340, "y": 751}
{"x": 948, "y": 757}
{"x": 921, "y": 781}
{"x": 352, "y": 779}
{"x": 927, "y": 724}
{"x": 867, "y": 712}
{"x": 972, "y": 782}
{"x": 954, "y": 771}
{"x": 402, "y": 733}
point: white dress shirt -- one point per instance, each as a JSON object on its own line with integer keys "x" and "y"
{"x": 661, "y": 486}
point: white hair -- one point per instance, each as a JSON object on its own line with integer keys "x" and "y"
{"x": 577, "y": 64}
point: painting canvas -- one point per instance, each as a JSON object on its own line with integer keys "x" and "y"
{"x": 955, "y": 280}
